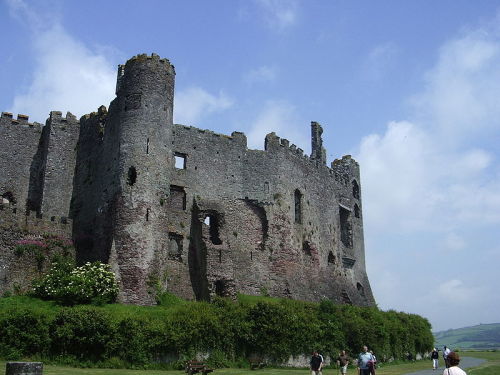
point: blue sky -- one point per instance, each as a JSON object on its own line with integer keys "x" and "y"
{"x": 410, "y": 88}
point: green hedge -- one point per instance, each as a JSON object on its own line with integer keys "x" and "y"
{"x": 229, "y": 332}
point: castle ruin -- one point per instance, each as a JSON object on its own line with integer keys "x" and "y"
{"x": 181, "y": 209}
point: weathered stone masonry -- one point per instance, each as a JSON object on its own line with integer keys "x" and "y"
{"x": 182, "y": 209}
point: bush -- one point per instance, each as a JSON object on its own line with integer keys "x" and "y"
{"x": 226, "y": 332}
{"x": 83, "y": 333}
{"x": 90, "y": 283}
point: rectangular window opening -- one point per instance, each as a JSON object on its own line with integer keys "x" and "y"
{"x": 180, "y": 160}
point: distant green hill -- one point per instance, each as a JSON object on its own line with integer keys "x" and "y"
{"x": 483, "y": 336}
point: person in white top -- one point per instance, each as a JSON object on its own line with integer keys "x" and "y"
{"x": 453, "y": 361}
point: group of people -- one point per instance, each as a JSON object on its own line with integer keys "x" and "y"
{"x": 451, "y": 361}
{"x": 366, "y": 362}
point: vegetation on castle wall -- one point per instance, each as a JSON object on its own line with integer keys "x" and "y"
{"x": 228, "y": 333}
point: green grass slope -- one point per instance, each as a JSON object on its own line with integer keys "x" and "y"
{"x": 483, "y": 336}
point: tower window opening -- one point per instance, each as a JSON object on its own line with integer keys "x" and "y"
{"x": 298, "y": 206}
{"x": 331, "y": 258}
{"x": 361, "y": 289}
{"x": 180, "y": 160}
{"x": 147, "y": 214}
{"x": 131, "y": 176}
{"x": 345, "y": 226}
{"x": 355, "y": 189}
{"x": 147, "y": 146}
{"x": 356, "y": 211}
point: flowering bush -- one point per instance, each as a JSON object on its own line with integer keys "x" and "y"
{"x": 90, "y": 283}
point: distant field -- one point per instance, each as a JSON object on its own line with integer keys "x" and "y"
{"x": 483, "y": 336}
{"x": 492, "y": 367}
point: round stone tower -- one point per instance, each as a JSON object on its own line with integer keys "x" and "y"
{"x": 144, "y": 106}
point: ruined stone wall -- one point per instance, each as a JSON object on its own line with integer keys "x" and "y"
{"x": 259, "y": 246}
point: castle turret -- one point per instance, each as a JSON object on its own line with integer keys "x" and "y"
{"x": 143, "y": 109}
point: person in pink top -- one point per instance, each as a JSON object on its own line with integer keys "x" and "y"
{"x": 453, "y": 361}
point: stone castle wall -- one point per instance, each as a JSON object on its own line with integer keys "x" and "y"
{"x": 186, "y": 210}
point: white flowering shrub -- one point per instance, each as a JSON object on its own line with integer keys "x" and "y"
{"x": 90, "y": 283}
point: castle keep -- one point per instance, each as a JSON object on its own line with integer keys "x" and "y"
{"x": 178, "y": 208}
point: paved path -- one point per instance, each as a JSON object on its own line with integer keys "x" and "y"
{"x": 465, "y": 362}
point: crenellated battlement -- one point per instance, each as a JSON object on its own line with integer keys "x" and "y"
{"x": 153, "y": 56}
{"x": 8, "y": 119}
{"x": 57, "y": 116}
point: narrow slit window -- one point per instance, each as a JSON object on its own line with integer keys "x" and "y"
{"x": 298, "y": 206}
{"x": 147, "y": 146}
{"x": 131, "y": 176}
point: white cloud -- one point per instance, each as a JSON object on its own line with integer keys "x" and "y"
{"x": 279, "y": 14}
{"x": 279, "y": 117}
{"x": 461, "y": 97}
{"x": 68, "y": 76}
{"x": 261, "y": 74}
{"x": 193, "y": 103}
{"x": 435, "y": 179}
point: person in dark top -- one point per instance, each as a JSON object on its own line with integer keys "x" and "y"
{"x": 435, "y": 359}
{"x": 316, "y": 364}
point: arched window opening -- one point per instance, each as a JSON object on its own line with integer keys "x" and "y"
{"x": 331, "y": 258}
{"x": 298, "y": 206}
{"x": 175, "y": 246}
{"x": 355, "y": 189}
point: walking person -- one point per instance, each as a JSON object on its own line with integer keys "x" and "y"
{"x": 435, "y": 359}
{"x": 453, "y": 369}
{"x": 343, "y": 362}
{"x": 446, "y": 352}
{"x": 316, "y": 363}
{"x": 363, "y": 359}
